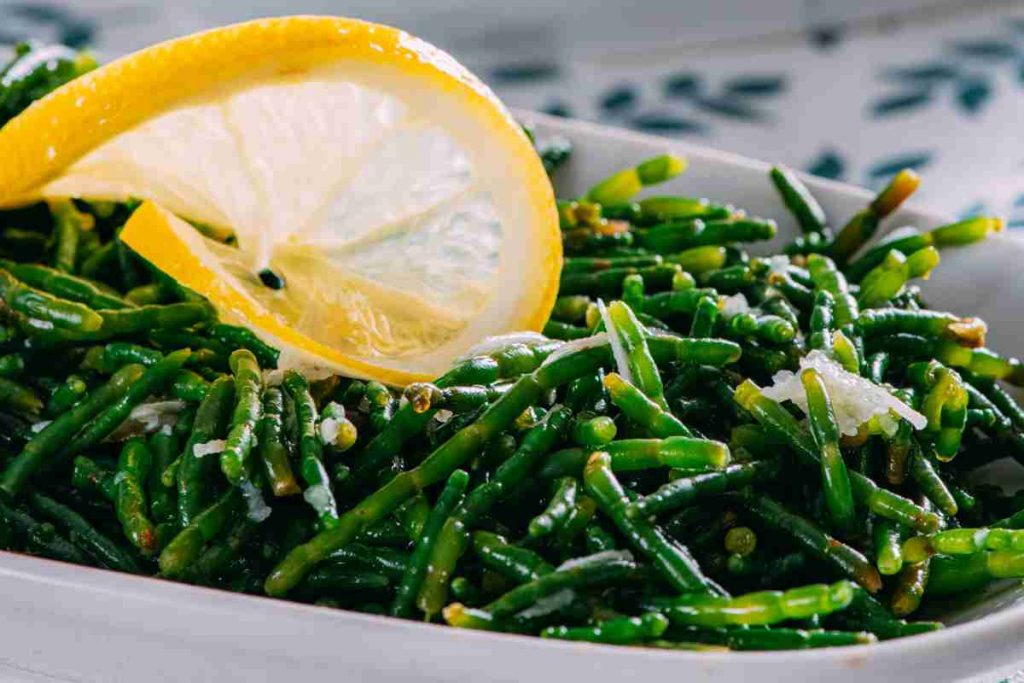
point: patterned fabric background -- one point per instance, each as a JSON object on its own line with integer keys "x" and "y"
{"x": 945, "y": 98}
{"x": 939, "y": 89}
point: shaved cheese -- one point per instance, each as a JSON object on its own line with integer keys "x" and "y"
{"x": 152, "y": 416}
{"x": 600, "y": 339}
{"x": 147, "y": 418}
{"x": 318, "y": 497}
{"x": 273, "y": 378}
{"x": 208, "y": 447}
{"x": 734, "y": 305}
{"x": 778, "y": 264}
{"x": 623, "y": 555}
{"x": 290, "y": 358}
{"x": 328, "y": 431}
{"x": 256, "y": 508}
{"x": 854, "y": 399}
{"x": 618, "y": 350}
{"x": 549, "y": 604}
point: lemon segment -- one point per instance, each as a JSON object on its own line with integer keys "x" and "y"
{"x": 406, "y": 212}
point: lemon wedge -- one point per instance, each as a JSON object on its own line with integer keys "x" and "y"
{"x": 401, "y": 205}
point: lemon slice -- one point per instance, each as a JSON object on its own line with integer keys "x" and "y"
{"x": 406, "y": 212}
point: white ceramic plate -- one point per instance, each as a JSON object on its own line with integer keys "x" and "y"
{"x": 70, "y": 623}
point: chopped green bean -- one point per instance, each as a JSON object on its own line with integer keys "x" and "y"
{"x": 671, "y": 558}
{"x": 764, "y": 608}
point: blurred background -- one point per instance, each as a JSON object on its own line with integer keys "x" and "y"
{"x": 847, "y": 90}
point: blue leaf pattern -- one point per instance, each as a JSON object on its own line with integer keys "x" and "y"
{"x": 526, "y": 72}
{"x": 977, "y": 208}
{"x": 901, "y": 102}
{"x": 922, "y": 73}
{"x": 733, "y": 108}
{"x": 618, "y": 99}
{"x": 682, "y": 85}
{"x": 1016, "y": 217}
{"x": 666, "y": 123}
{"x": 756, "y": 86}
{"x": 557, "y": 108}
{"x": 972, "y": 94}
{"x": 986, "y": 49}
{"x": 689, "y": 102}
{"x": 882, "y": 170}
{"x": 829, "y": 164}
{"x": 964, "y": 72}
{"x": 826, "y": 37}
